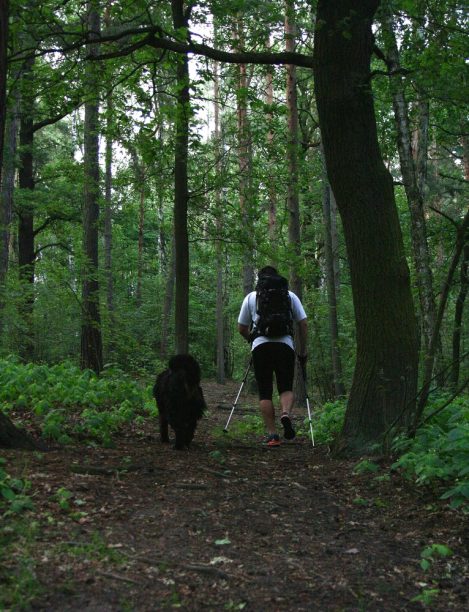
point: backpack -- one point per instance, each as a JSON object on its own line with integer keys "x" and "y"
{"x": 273, "y": 305}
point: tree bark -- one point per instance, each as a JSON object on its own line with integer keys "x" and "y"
{"x": 26, "y": 235}
{"x": 293, "y": 198}
{"x": 337, "y": 374}
{"x": 91, "y": 340}
{"x": 220, "y": 319}
{"x": 458, "y": 316}
{"x": 13, "y": 437}
{"x": 385, "y": 376}
{"x": 244, "y": 163}
{"x": 181, "y": 190}
{"x": 6, "y": 200}
{"x": 167, "y": 305}
{"x": 4, "y": 16}
{"x": 108, "y": 224}
{"x": 272, "y": 202}
{"x": 412, "y": 180}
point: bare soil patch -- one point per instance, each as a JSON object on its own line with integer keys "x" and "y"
{"x": 233, "y": 525}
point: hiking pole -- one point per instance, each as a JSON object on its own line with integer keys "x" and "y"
{"x": 303, "y": 369}
{"x": 237, "y": 397}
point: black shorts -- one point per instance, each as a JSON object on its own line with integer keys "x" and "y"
{"x": 269, "y": 358}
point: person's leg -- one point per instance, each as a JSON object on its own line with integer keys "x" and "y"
{"x": 263, "y": 371}
{"x": 268, "y": 415}
{"x": 284, "y": 372}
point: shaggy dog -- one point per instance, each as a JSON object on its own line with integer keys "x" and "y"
{"x": 179, "y": 399}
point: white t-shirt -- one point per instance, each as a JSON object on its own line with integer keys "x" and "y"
{"x": 248, "y": 315}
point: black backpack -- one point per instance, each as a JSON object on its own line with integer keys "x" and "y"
{"x": 273, "y": 305}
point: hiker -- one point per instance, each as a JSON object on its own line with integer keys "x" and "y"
{"x": 266, "y": 320}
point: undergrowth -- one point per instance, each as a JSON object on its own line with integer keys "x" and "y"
{"x": 65, "y": 402}
{"x": 438, "y": 456}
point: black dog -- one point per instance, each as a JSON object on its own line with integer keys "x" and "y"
{"x": 179, "y": 399}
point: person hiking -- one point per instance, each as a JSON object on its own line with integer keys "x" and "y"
{"x": 266, "y": 320}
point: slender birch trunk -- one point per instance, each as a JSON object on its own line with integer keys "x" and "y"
{"x": 272, "y": 202}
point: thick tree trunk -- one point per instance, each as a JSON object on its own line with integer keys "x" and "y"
{"x": 385, "y": 377}
{"x": 293, "y": 198}
{"x": 181, "y": 190}
{"x": 13, "y": 437}
{"x": 412, "y": 178}
{"x": 91, "y": 340}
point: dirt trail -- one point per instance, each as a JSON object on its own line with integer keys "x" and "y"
{"x": 232, "y": 525}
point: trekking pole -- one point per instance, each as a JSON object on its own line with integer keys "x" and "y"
{"x": 237, "y": 397}
{"x": 303, "y": 369}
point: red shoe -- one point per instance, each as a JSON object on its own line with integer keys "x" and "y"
{"x": 273, "y": 440}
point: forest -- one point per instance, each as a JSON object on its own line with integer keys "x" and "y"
{"x": 154, "y": 155}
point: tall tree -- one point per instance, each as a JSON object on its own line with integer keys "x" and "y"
{"x": 91, "y": 340}
{"x": 4, "y": 16}
{"x": 413, "y": 178}
{"x": 385, "y": 376}
{"x": 181, "y": 190}
{"x": 293, "y": 196}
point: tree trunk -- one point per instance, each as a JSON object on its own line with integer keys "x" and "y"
{"x": 91, "y": 341}
{"x": 293, "y": 199}
{"x": 26, "y": 236}
{"x": 108, "y": 224}
{"x": 339, "y": 387}
{"x": 410, "y": 177}
{"x": 181, "y": 190}
{"x": 272, "y": 202}
{"x": 244, "y": 163}
{"x": 13, "y": 437}
{"x": 10, "y": 436}
{"x": 6, "y": 200}
{"x": 167, "y": 305}
{"x": 4, "y": 16}
{"x": 458, "y": 318}
{"x": 220, "y": 320}
{"x": 385, "y": 376}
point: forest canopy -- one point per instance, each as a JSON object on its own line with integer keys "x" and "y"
{"x": 157, "y": 154}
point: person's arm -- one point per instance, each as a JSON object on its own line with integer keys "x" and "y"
{"x": 244, "y": 331}
{"x": 302, "y": 338}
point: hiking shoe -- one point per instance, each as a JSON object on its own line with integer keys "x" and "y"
{"x": 273, "y": 440}
{"x": 288, "y": 431}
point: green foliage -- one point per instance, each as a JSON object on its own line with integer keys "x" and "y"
{"x": 439, "y": 453}
{"x": 70, "y": 402}
{"x": 327, "y": 421}
{"x": 430, "y": 553}
{"x": 365, "y": 466}
{"x": 13, "y": 492}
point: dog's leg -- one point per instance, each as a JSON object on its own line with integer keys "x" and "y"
{"x": 164, "y": 436}
{"x": 180, "y": 443}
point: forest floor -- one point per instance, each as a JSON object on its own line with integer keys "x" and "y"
{"x": 229, "y": 525}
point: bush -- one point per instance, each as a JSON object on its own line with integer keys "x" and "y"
{"x": 67, "y": 401}
{"x": 439, "y": 453}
